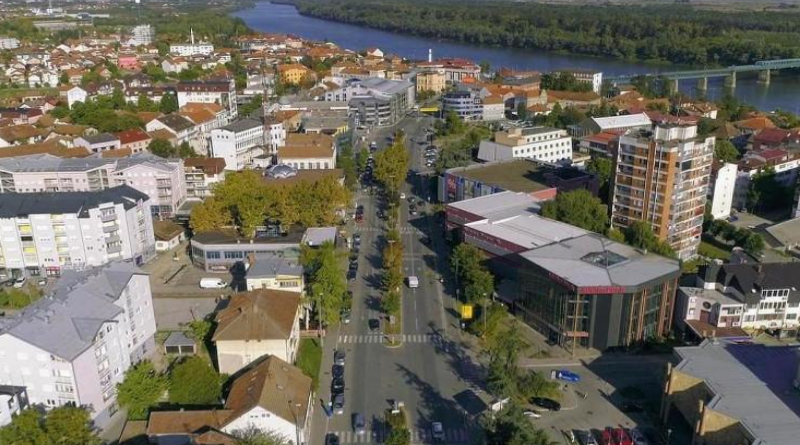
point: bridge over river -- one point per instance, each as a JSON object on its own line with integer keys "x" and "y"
{"x": 764, "y": 69}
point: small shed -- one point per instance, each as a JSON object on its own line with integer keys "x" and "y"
{"x": 168, "y": 235}
{"x": 179, "y": 343}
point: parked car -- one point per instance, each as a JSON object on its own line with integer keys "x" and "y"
{"x": 638, "y": 437}
{"x": 42, "y": 282}
{"x": 531, "y": 414}
{"x": 606, "y": 438}
{"x": 331, "y": 439}
{"x": 337, "y": 371}
{"x": 437, "y": 431}
{"x": 567, "y": 376}
{"x": 337, "y": 386}
{"x": 338, "y": 357}
{"x": 359, "y": 423}
{"x": 621, "y": 437}
{"x": 548, "y": 404}
{"x": 345, "y": 316}
{"x": 338, "y": 403}
{"x": 585, "y": 437}
{"x": 20, "y": 282}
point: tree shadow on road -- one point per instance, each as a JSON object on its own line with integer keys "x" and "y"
{"x": 466, "y": 367}
{"x": 435, "y": 406}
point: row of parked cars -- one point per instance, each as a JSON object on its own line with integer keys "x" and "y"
{"x": 612, "y": 436}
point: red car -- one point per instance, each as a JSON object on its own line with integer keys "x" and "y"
{"x": 621, "y": 437}
{"x": 359, "y": 217}
{"x": 607, "y": 438}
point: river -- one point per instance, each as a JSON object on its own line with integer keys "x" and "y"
{"x": 783, "y": 93}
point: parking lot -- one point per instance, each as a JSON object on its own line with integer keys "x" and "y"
{"x": 616, "y": 390}
{"x": 172, "y": 275}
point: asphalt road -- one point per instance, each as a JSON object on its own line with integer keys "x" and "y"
{"x": 431, "y": 366}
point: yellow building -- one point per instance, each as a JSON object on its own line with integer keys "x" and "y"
{"x": 431, "y": 81}
{"x": 293, "y": 73}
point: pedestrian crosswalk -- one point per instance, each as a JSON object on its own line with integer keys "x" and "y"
{"x": 379, "y": 338}
{"x": 418, "y": 436}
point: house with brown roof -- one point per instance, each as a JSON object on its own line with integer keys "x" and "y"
{"x": 257, "y": 323}
{"x": 272, "y": 396}
{"x": 201, "y": 174}
{"x": 21, "y": 134}
{"x": 134, "y": 139}
{"x": 308, "y": 151}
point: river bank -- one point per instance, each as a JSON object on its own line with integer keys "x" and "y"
{"x": 285, "y": 19}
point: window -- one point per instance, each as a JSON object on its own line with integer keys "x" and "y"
{"x": 212, "y": 255}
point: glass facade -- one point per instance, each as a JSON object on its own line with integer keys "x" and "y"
{"x": 600, "y": 321}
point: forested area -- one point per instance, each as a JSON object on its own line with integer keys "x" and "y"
{"x": 674, "y": 33}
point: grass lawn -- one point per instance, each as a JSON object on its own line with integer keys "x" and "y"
{"x": 309, "y": 358}
{"x": 390, "y": 330}
{"x": 714, "y": 249}
{"x": 12, "y": 298}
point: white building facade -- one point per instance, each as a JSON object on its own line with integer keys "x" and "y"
{"x": 47, "y": 233}
{"x": 539, "y": 143}
{"x": 722, "y": 189}
{"x": 74, "y": 346}
{"x": 238, "y": 143}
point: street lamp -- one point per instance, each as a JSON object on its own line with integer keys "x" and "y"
{"x": 292, "y": 407}
{"x": 669, "y": 435}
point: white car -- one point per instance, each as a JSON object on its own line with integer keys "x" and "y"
{"x": 532, "y": 414}
{"x": 402, "y": 196}
{"x": 638, "y": 437}
{"x": 20, "y": 282}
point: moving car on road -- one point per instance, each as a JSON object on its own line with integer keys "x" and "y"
{"x": 532, "y": 414}
{"x": 413, "y": 282}
{"x": 359, "y": 423}
{"x": 374, "y": 324}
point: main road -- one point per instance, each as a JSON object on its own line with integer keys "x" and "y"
{"x": 432, "y": 365}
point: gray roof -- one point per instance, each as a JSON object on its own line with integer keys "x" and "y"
{"x": 270, "y": 266}
{"x": 242, "y": 125}
{"x": 50, "y": 163}
{"x": 529, "y": 131}
{"x": 316, "y": 236}
{"x": 786, "y": 233}
{"x": 176, "y": 122}
{"x": 23, "y": 204}
{"x": 752, "y": 383}
{"x": 178, "y": 338}
{"x": 66, "y": 322}
{"x": 386, "y": 86}
{"x": 499, "y": 205}
{"x": 750, "y": 279}
{"x": 592, "y": 260}
{"x": 100, "y": 138}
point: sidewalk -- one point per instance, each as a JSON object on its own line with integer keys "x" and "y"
{"x": 319, "y": 421}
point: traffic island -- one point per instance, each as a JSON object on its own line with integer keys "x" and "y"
{"x": 394, "y": 331}
{"x": 397, "y": 432}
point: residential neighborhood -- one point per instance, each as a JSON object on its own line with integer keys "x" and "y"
{"x": 213, "y": 232}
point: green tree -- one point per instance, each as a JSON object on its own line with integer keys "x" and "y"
{"x": 603, "y": 168}
{"x": 511, "y": 427}
{"x": 254, "y": 105}
{"x": 255, "y": 436}
{"x": 390, "y": 302}
{"x": 398, "y": 436}
{"x": 578, "y": 208}
{"x": 766, "y": 193}
{"x": 65, "y": 425}
{"x": 194, "y": 382}
{"x": 328, "y": 288}
{"x": 63, "y": 79}
{"x": 210, "y": 215}
{"x": 161, "y": 147}
{"x": 754, "y": 244}
{"x": 391, "y": 166}
{"x": 144, "y": 103}
{"x": 346, "y": 161}
{"x": 141, "y": 389}
{"x": 168, "y": 104}
{"x": 535, "y": 384}
{"x": 522, "y": 111}
{"x": 27, "y": 428}
{"x": 503, "y": 355}
{"x": 186, "y": 151}
{"x": 725, "y": 152}
{"x": 640, "y": 234}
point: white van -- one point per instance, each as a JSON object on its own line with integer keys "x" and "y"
{"x": 413, "y": 282}
{"x": 212, "y": 283}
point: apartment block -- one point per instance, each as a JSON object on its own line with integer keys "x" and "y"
{"x": 202, "y": 174}
{"x": 539, "y": 143}
{"x": 238, "y": 143}
{"x": 662, "y": 177}
{"x": 161, "y": 179}
{"x": 46, "y": 233}
{"x": 73, "y": 346}
{"x": 222, "y": 92}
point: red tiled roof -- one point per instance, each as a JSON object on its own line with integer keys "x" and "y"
{"x": 132, "y": 135}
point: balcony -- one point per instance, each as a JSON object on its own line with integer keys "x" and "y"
{"x": 114, "y": 249}
{"x": 110, "y": 228}
{"x": 112, "y": 239}
{"x": 108, "y": 217}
